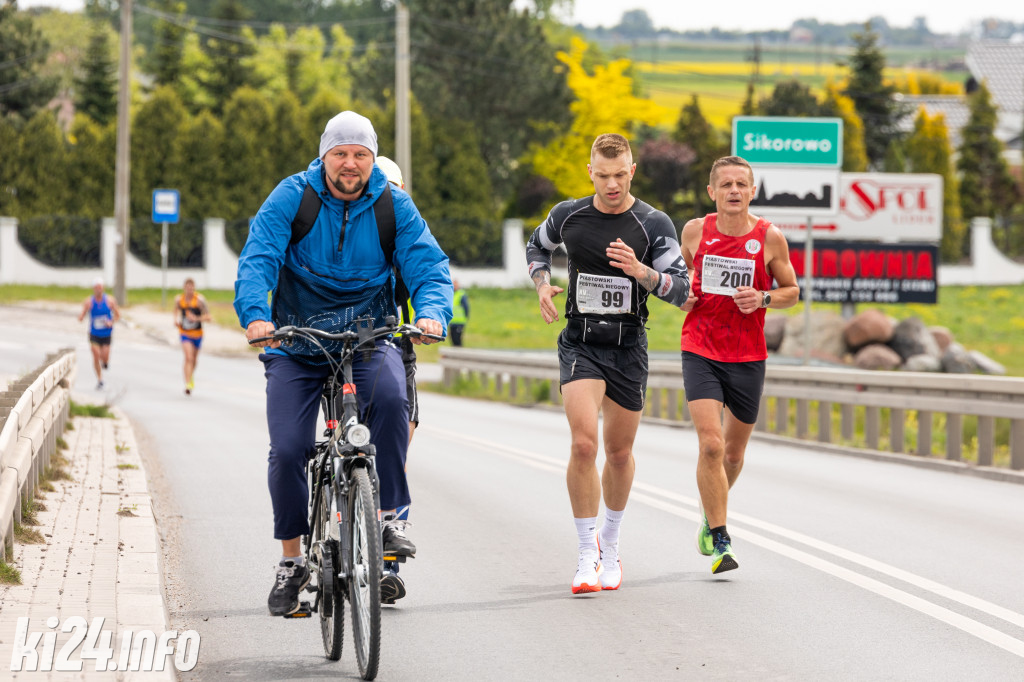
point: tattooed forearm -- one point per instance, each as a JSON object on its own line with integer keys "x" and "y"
{"x": 650, "y": 279}
{"x": 540, "y": 278}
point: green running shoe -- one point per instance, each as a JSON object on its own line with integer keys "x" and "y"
{"x": 722, "y": 559}
{"x": 705, "y": 543}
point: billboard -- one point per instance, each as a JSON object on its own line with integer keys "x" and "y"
{"x": 889, "y": 207}
{"x": 855, "y": 272}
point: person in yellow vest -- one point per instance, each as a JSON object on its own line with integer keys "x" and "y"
{"x": 190, "y": 311}
{"x": 460, "y": 308}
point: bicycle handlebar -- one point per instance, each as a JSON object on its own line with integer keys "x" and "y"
{"x": 289, "y": 332}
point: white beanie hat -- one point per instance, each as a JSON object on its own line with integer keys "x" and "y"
{"x": 348, "y": 127}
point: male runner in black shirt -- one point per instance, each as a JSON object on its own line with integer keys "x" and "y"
{"x": 620, "y": 251}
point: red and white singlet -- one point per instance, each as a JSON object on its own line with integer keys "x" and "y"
{"x": 715, "y": 328}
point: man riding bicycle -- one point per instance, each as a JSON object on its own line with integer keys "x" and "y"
{"x": 327, "y": 278}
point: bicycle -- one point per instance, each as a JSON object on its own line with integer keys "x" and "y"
{"x": 344, "y": 547}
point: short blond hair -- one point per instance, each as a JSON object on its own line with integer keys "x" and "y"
{"x": 730, "y": 161}
{"x": 610, "y": 146}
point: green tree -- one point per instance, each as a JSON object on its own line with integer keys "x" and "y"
{"x": 96, "y": 87}
{"x": 41, "y": 157}
{"x": 91, "y": 168}
{"x": 749, "y": 107}
{"x": 156, "y": 128}
{"x": 929, "y": 151}
{"x": 199, "y": 150}
{"x": 290, "y": 148}
{"x": 489, "y": 64}
{"x": 694, "y": 131}
{"x": 166, "y": 59}
{"x": 986, "y": 186}
{"x": 8, "y": 171}
{"x": 250, "y": 174}
{"x": 24, "y": 87}
{"x": 895, "y": 159}
{"x": 229, "y": 68}
{"x": 855, "y": 158}
{"x": 302, "y": 62}
{"x": 790, "y": 98}
{"x": 872, "y": 97}
{"x": 321, "y": 109}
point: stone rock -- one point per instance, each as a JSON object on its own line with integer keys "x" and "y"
{"x": 826, "y": 336}
{"x": 922, "y": 363}
{"x": 943, "y": 337}
{"x": 870, "y": 326}
{"x": 910, "y": 337}
{"x": 877, "y": 356}
{"x": 956, "y": 360}
{"x": 986, "y": 364}
{"x": 774, "y": 331}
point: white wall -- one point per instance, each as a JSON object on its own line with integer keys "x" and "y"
{"x": 989, "y": 266}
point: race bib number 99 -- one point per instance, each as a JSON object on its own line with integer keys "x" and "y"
{"x": 721, "y": 275}
{"x": 603, "y": 295}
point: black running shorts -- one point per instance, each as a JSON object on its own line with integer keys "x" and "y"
{"x": 737, "y": 385}
{"x": 623, "y": 370}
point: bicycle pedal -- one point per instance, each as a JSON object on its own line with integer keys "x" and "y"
{"x": 396, "y": 557}
{"x": 304, "y": 611}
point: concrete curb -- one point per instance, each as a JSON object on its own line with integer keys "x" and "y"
{"x": 101, "y": 555}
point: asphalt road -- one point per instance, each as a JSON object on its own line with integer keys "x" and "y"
{"x": 850, "y": 569}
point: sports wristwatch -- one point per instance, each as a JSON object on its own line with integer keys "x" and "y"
{"x": 766, "y": 299}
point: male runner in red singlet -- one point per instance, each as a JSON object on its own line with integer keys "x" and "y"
{"x": 733, "y": 256}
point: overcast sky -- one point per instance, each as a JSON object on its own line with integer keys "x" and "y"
{"x": 752, "y": 15}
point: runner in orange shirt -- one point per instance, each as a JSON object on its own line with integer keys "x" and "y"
{"x": 190, "y": 311}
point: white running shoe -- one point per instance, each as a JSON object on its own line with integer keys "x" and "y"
{"x": 588, "y": 573}
{"x": 611, "y": 567}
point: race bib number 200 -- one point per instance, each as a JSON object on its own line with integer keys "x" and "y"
{"x": 721, "y": 275}
{"x": 603, "y": 295}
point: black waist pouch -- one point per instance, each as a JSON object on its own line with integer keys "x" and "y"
{"x": 601, "y": 333}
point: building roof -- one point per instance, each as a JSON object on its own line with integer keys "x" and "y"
{"x": 1001, "y": 65}
{"x": 953, "y": 108}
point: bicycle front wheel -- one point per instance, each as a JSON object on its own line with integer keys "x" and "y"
{"x": 364, "y": 580}
{"x": 332, "y": 598}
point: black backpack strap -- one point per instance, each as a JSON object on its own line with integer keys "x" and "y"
{"x": 309, "y": 209}
{"x": 384, "y": 212}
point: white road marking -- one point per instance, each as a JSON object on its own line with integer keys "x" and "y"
{"x": 666, "y": 500}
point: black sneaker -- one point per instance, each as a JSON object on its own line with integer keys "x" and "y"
{"x": 290, "y": 580}
{"x": 392, "y": 588}
{"x": 395, "y": 541}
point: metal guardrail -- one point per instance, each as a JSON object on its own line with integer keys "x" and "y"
{"x": 33, "y": 414}
{"x": 829, "y": 405}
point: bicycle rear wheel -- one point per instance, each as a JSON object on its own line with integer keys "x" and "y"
{"x": 332, "y": 597}
{"x": 364, "y": 580}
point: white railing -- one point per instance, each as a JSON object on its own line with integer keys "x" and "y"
{"x": 981, "y": 417}
{"x": 33, "y": 414}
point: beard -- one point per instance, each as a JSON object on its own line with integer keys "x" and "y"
{"x": 348, "y": 185}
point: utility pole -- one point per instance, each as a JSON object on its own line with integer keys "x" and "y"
{"x": 403, "y": 142}
{"x": 123, "y": 163}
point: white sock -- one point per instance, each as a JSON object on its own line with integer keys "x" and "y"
{"x": 585, "y": 529}
{"x": 610, "y": 529}
{"x": 297, "y": 560}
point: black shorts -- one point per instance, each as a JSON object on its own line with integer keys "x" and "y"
{"x": 737, "y": 385}
{"x": 99, "y": 340}
{"x": 623, "y": 370}
{"x": 409, "y": 360}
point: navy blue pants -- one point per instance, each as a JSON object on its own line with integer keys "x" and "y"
{"x": 293, "y": 398}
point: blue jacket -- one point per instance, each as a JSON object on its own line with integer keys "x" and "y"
{"x": 358, "y": 271}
